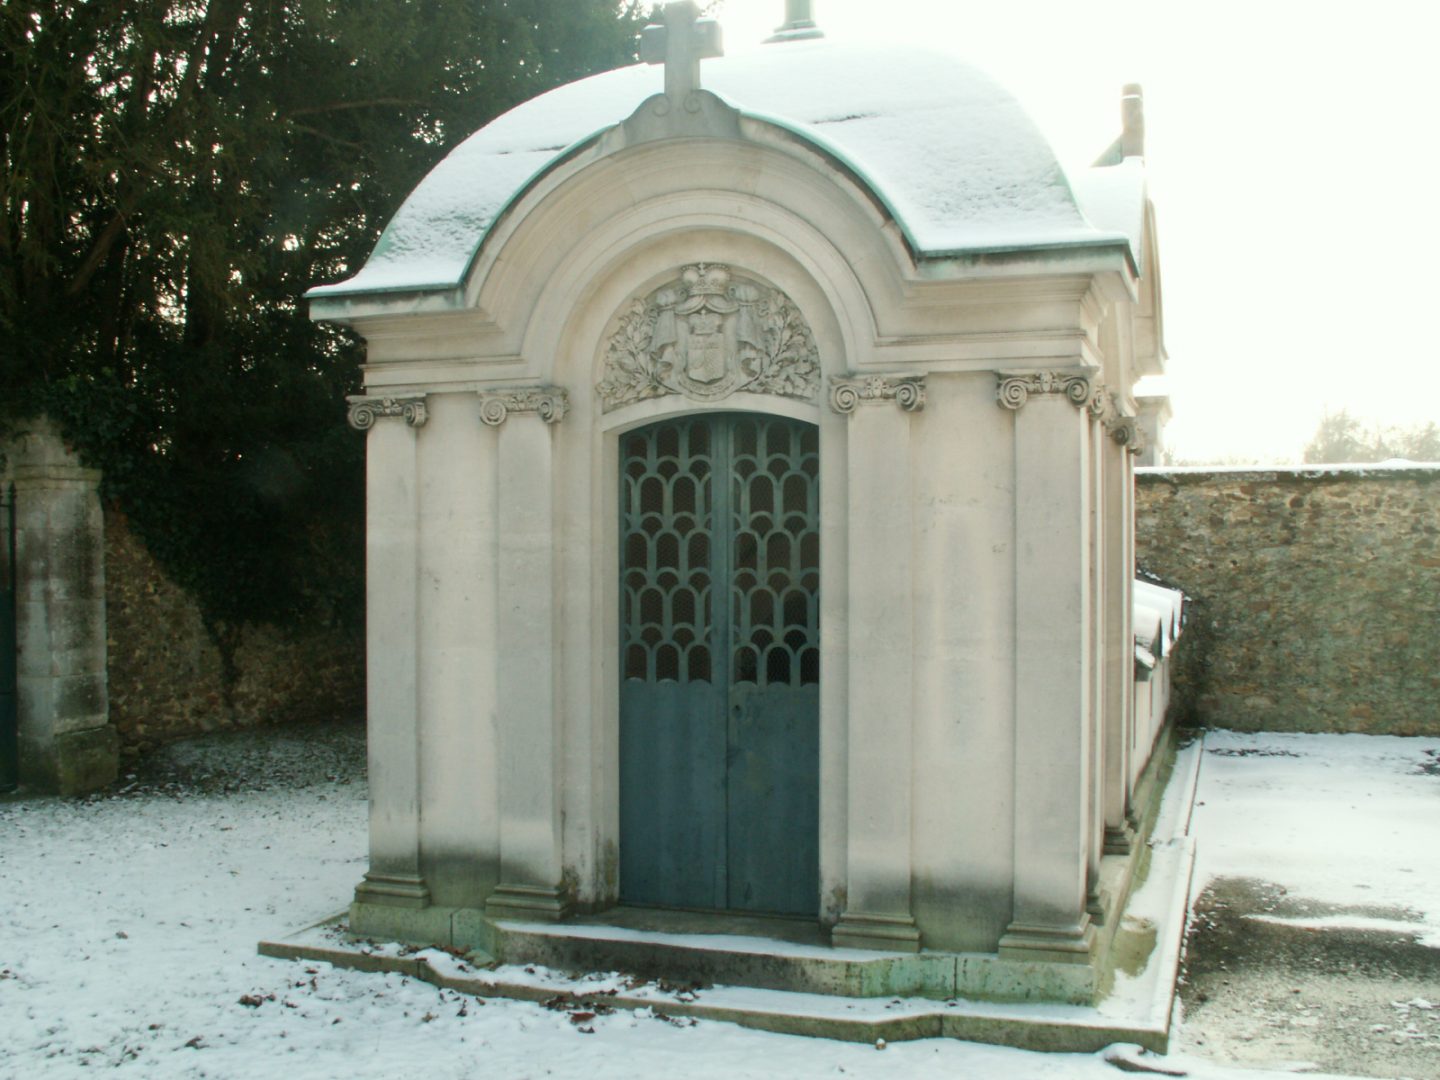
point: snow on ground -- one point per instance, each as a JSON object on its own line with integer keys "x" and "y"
{"x": 1349, "y": 822}
{"x": 129, "y": 924}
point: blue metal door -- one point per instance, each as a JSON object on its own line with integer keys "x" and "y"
{"x": 720, "y": 664}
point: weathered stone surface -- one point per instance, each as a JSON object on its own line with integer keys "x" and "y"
{"x": 65, "y": 742}
{"x": 167, "y": 675}
{"x": 70, "y": 763}
{"x": 1315, "y": 595}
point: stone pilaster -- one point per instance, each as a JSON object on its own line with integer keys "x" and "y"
{"x": 66, "y": 743}
{"x": 1052, "y": 665}
{"x": 877, "y": 912}
{"x": 392, "y": 641}
{"x": 529, "y": 733}
{"x": 460, "y": 825}
{"x": 1119, "y": 508}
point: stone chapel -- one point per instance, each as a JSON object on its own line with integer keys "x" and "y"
{"x": 749, "y": 472}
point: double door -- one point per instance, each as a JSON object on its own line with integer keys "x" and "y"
{"x": 720, "y": 664}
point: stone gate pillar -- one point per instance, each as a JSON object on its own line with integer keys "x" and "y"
{"x": 66, "y": 742}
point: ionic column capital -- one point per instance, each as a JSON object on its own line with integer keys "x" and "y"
{"x": 365, "y": 410}
{"x": 550, "y": 403}
{"x": 1015, "y": 390}
{"x": 1127, "y": 432}
{"x": 850, "y": 392}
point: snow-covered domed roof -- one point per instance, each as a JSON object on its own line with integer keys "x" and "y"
{"x": 948, "y": 151}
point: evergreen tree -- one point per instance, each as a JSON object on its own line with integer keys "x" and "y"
{"x": 1341, "y": 438}
{"x": 174, "y": 174}
{"x": 1338, "y": 438}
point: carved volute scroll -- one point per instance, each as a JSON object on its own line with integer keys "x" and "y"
{"x": 1126, "y": 432}
{"x": 705, "y": 335}
{"x": 365, "y": 410}
{"x": 848, "y": 394}
{"x": 1015, "y": 390}
{"x": 550, "y": 403}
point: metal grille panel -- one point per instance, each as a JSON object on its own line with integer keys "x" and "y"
{"x": 720, "y": 658}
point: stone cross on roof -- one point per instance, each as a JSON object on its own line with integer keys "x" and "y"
{"x": 680, "y": 44}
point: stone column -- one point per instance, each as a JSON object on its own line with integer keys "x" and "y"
{"x": 528, "y": 661}
{"x": 66, "y": 743}
{"x": 1099, "y": 717}
{"x": 460, "y": 820}
{"x": 391, "y": 648}
{"x": 1119, "y": 504}
{"x": 880, "y": 701}
{"x": 1052, "y": 666}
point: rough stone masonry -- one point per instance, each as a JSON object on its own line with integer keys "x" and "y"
{"x": 1315, "y": 594}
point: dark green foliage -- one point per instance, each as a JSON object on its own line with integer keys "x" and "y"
{"x": 176, "y": 173}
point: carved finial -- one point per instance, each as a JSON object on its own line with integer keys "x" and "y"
{"x": 680, "y": 44}
{"x": 799, "y": 24}
{"x": 1132, "y": 120}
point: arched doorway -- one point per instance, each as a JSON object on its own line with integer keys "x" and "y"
{"x": 720, "y": 663}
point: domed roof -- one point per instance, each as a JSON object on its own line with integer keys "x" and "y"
{"x": 952, "y": 154}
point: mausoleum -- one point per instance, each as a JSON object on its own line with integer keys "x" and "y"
{"x": 749, "y": 524}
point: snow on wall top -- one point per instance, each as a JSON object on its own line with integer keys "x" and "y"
{"x": 954, "y": 155}
{"x": 1157, "y": 616}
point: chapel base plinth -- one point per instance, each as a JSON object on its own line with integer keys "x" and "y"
{"x": 1119, "y": 840}
{"x": 883, "y": 932}
{"x": 798, "y": 985}
{"x": 1051, "y": 945}
{"x": 370, "y": 921}
{"x": 528, "y": 903}
{"x": 393, "y": 890}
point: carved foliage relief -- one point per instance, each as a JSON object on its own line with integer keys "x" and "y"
{"x": 705, "y": 335}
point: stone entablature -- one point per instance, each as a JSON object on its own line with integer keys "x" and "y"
{"x": 706, "y": 334}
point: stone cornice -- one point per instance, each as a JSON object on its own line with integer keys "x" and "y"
{"x": 365, "y": 410}
{"x": 849, "y": 393}
{"x": 550, "y": 403}
{"x": 1015, "y": 390}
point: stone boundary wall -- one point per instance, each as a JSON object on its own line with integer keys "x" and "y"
{"x": 1313, "y": 594}
{"x": 167, "y": 675}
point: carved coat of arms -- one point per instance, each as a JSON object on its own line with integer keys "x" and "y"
{"x": 705, "y": 335}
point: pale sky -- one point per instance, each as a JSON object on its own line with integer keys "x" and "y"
{"x": 1292, "y": 153}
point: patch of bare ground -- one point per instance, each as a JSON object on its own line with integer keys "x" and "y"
{"x": 1260, "y": 992}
